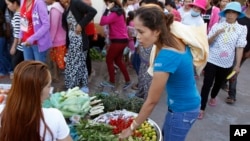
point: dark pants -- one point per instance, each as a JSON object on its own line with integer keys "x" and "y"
{"x": 5, "y": 60}
{"x": 88, "y": 59}
{"x": 115, "y": 55}
{"x": 17, "y": 58}
{"x": 214, "y": 76}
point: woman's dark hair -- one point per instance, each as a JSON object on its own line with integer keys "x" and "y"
{"x": 148, "y": 2}
{"x": 161, "y": 4}
{"x": 153, "y": 18}
{"x": 131, "y": 15}
{"x": 13, "y": 1}
{"x": 124, "y": 2}
{"x": 117, "y": 2}
{"x": 118, "y": 8}
{"x": 171, "y": 3}
{"x": 215, "y": 3}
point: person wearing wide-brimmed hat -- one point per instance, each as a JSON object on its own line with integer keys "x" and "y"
{"x": 227, "y": 41}
{"x": 194, "y": 17}
{"x": 246, "y": 54}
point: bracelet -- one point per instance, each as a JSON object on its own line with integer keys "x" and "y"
{"x": 133, "y": 125}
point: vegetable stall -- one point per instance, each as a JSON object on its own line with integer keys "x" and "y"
{"x": 99, "y": 117}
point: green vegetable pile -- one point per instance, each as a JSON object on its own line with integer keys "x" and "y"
{"x": 90, "y": 131}
{"x": 112, "y": 102}
{"x": 71, "y": 102}
{"x": 96, "y": 55}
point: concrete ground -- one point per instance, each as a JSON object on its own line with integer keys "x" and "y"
{"x": 214, "y": 126}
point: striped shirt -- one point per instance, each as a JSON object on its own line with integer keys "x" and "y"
{"x": 16, "y": 27}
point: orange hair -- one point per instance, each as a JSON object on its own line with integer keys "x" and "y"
{"x": 21, "y": 117}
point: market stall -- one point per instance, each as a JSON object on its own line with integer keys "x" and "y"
{"x": 99, "y": 117}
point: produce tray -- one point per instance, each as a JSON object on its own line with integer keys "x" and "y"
{"x": 104, "y": 118}
{"x": 7, "y": 87}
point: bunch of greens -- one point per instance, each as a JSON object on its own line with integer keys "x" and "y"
{"x": 90, "y": 131}
{"x": 112, "y": 102}
{"x": 96, "y": 55}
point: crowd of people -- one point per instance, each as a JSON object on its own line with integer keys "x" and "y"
{"x": 165, "y": 50}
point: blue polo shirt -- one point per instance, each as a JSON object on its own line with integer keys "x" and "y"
{"x": 181, "y": 87}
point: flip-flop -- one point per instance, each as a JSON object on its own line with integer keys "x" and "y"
{"x": 201, "y": 115}
{"x": 229, "y": 100}
{"x": 212, "y": 104}
{"x": 134, "y": 87}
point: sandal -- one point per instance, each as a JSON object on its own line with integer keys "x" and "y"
{"x": 212, "y": 102}
{"x": 201, "y": 115}
{"x": 135, "y": 87}
{"x": 229, "y": 100}
{"x": 225, "y": 88}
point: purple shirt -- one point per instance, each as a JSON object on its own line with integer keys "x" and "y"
{"x": 41, "y": 26}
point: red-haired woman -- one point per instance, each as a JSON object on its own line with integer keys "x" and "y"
{"x": 23, "y": 118}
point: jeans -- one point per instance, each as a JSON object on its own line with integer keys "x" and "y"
{"x": 233, "y": 83}
{"x": 5, "y": 62}
{"x": 32, "y": 53}
{"x": 136, "y": 62}
{"x": 178, "y": 124}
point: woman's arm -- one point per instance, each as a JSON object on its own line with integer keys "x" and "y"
{"x": 240, "y": 44}
{"x": 44, "y": 19}
{"x": 13, "y": 46}
{"x": 212, "y": 38}
{"x": 155, "y": 91}
{"x": 55, "y": 22}
{"x": 89, "y": 12}
{"x": 108, "y": 19}
{"x": 238, "y": 57}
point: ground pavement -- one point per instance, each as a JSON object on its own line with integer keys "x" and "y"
{"x": 214, "y": 126}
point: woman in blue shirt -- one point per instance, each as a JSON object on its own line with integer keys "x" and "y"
{"x": 173, "y": 72}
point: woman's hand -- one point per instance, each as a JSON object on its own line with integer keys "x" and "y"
{"x": 95, "y": 37}
{"x": 111, "y": 5}
{"x": 12, "y": 50}
{"x": 125, "y": 133}
{"x": 220, "y": 31}
{"x": 27, "y": 44}
{"x": 78, "y": 29}
{"x": 237, "y": 69}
